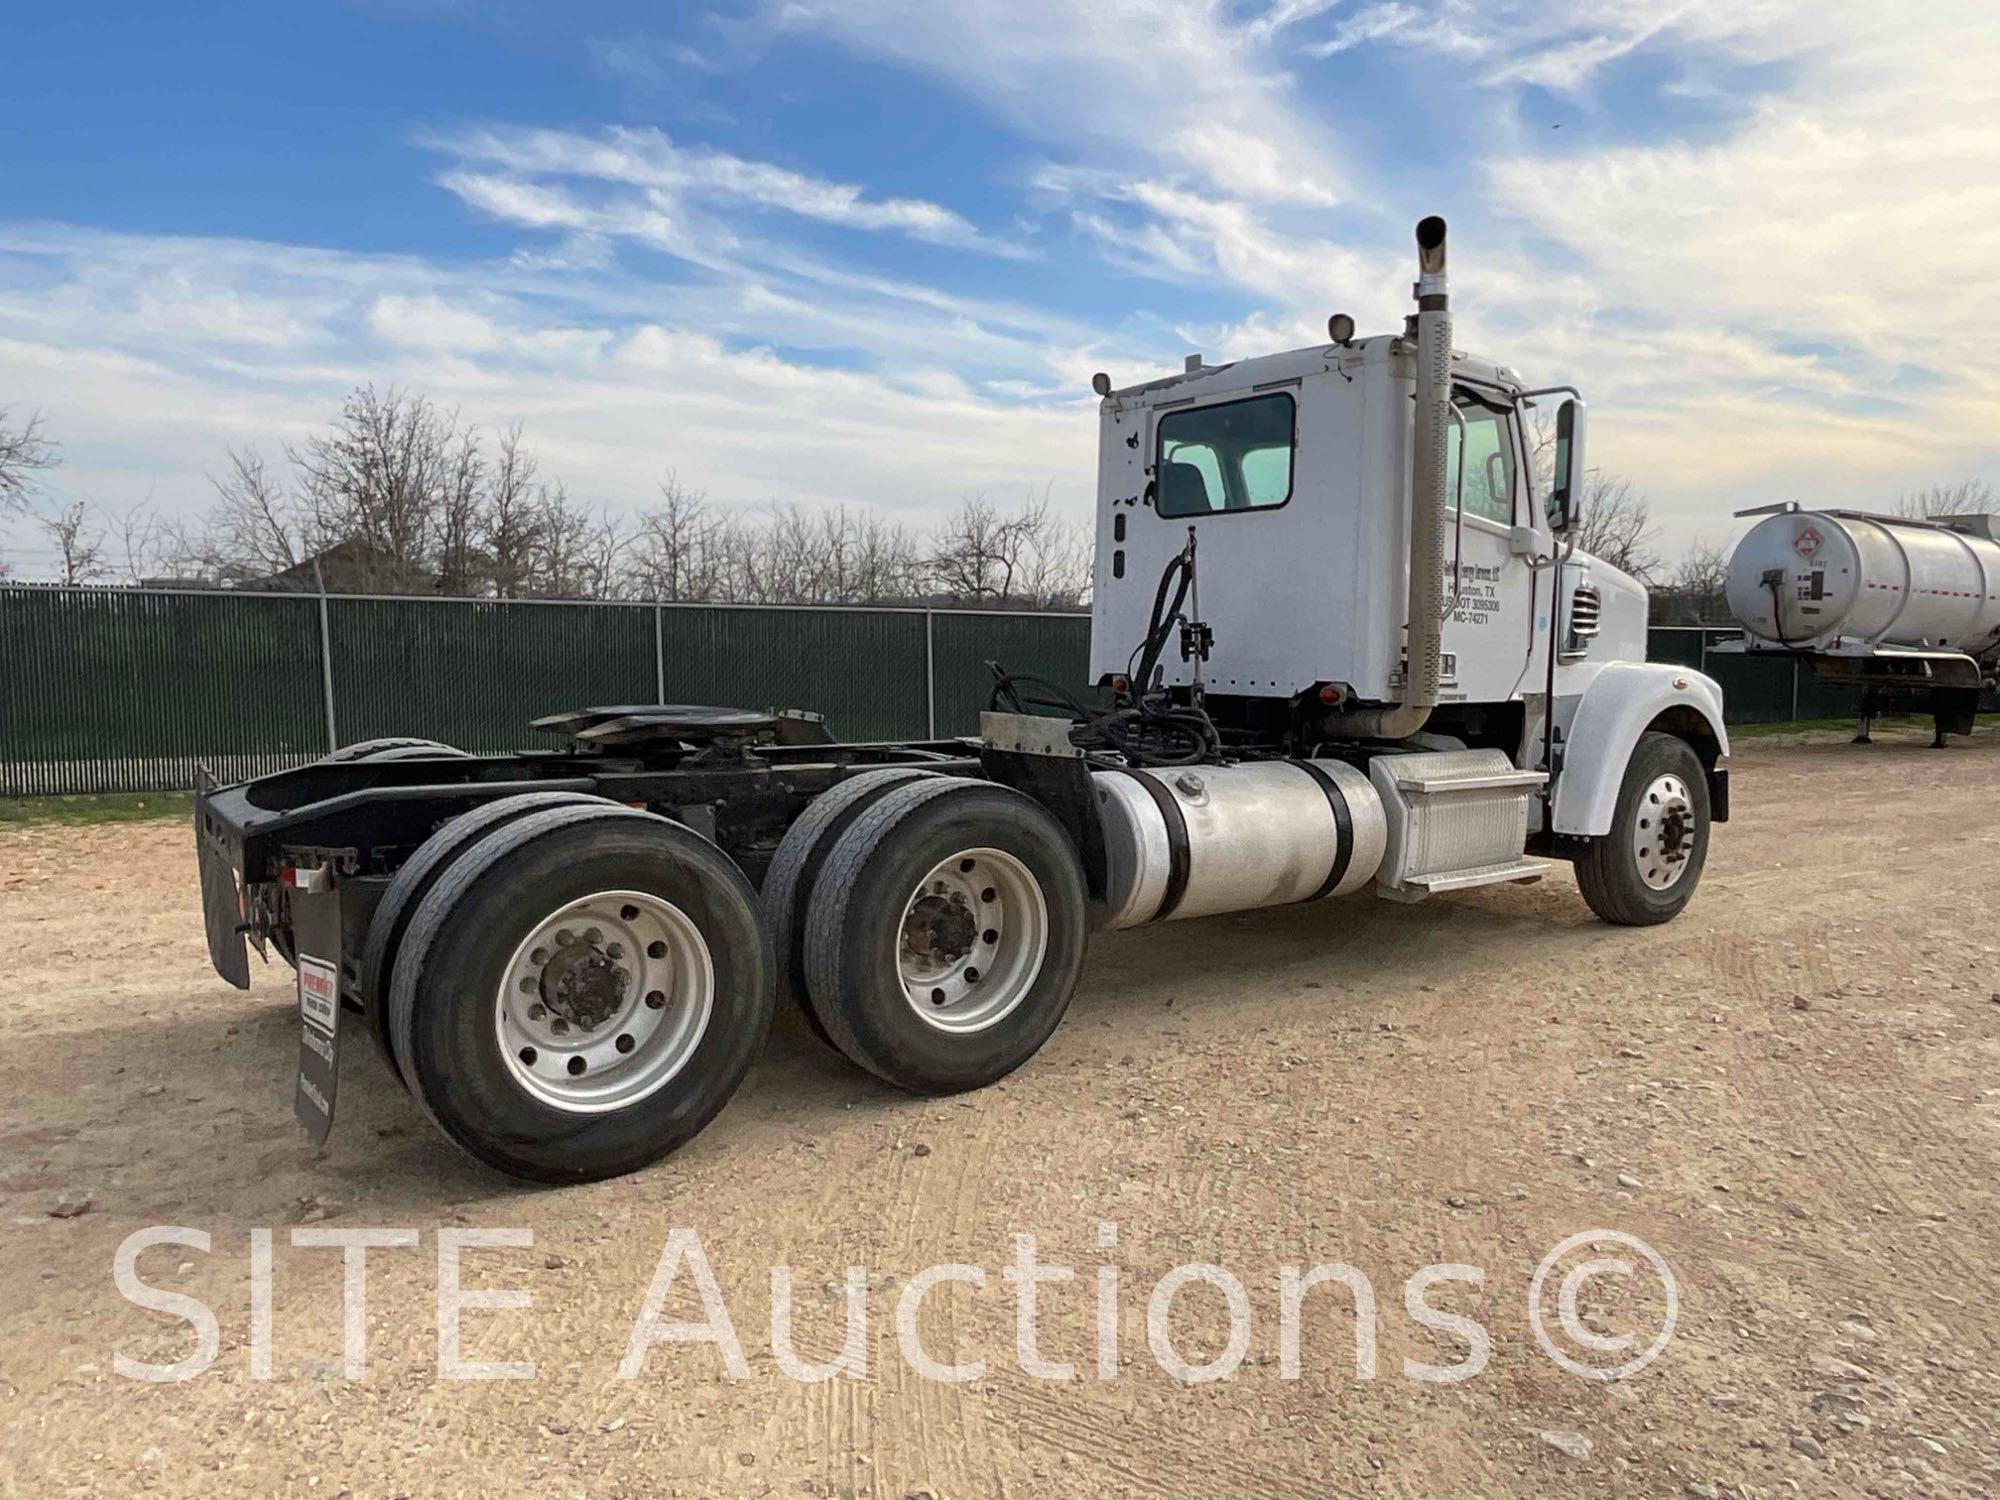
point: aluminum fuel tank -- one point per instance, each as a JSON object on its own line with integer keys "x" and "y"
{"x": 1196, "y": 841}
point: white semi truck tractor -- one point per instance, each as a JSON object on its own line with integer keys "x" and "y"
{"x": 1339, "y": 641}
{"x": 1905, "y": 609}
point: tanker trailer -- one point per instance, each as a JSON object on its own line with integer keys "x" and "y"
{"x": 1906, "y": 610}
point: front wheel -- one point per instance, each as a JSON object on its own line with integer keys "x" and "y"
{"x": 1646, "y": 868}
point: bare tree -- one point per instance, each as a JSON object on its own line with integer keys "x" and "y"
{"x": 460, "y": 503}
{"x": 886, "y": 566}
{"x": 140, "y": 541}
{"x": 681, "y": 549}
{"x": 1962, "y": 498}
{"x": 78, "y": 540}
{"x": 25, "y": 451}
{"x": 1029, "y": 557}
{"x": 579, "y": 549}
{"x": 511, "y": 523}
{"x": 382, "y": 482}
{"x": 1693, "y": 592}
{"x": 1617, "y": 526}
{"x": 975, "y": 555}
{"x": 1616, "y": 521}
{"x": 254, "y": 529}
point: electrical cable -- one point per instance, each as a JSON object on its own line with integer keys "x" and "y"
{"x": 1146, "y": 727}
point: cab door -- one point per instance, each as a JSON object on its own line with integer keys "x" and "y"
{"x": 1486, "y": 631}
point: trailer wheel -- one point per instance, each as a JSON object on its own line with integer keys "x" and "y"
{"x": 581, "y": 991}
{"x": 945, "y": 935}
{"x": 794, "y": 871}
{"x": 391, "y": 917}
{"x": 393, "y": 749}
{"x": 1646, "y": 869}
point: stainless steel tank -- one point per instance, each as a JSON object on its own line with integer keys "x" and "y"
{"x": 1815, "y": 579}
{"x": 1206, "y": 839}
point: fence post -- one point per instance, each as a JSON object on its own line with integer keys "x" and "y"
{"x": 659, "y": 654}
{"x": 326, "y": 662}
{"x": 930, "y": 675}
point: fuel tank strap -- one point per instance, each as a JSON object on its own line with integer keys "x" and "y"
{"x": 1343, "y": 828}
{"x": 1177, "y": 842}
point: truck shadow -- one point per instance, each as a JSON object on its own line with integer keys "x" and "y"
{"x": 184, "y": 1115}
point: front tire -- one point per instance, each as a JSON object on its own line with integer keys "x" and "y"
{"x": 1645, "y": 870}
{"x": 945, "y": 935}
{"x": 581, "y": 992}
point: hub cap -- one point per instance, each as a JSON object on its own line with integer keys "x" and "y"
{"x": 974, "y": 934}
{"x": 605, "y": 1001}
{"x": 1663, "y": 832}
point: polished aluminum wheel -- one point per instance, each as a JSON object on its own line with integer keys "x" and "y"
{"x": 605, "y": 1001}
{"x": 1663, "y": 832}
{"x": 974, "y": 933}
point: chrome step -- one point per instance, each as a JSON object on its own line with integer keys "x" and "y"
{"x": 1456, "y": 819}
{"x": 1524, "y": 871}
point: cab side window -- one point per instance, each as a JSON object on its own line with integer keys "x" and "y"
{"x": 1234, "y": 455}
{"x": 1488, "y": 472}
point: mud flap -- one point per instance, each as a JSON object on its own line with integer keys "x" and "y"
{"x": 221, "y": 905}
{"x": 316, "y": 929}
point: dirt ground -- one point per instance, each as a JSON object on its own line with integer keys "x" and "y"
{"x": 1792, "y": 1094}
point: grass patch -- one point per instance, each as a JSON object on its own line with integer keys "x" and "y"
{"x": 105, "y": 807}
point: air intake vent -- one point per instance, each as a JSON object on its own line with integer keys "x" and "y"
{"x": 1585, "y": 608}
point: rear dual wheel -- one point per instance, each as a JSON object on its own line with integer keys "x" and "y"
{"x": 945, "y": 935}
{"x": 393, "y": 748}
{"x": 580, "y": 991}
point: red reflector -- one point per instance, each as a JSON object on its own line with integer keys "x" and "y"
{"x": 1119, "y": 684}
{"x": 1330, "y": 694}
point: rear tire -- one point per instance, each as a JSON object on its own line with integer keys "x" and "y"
{"x": 694, "y": 1004}
{"x": 1647, "y": 867}
{"x": 393, "y": 749}
{"x": 391, "y": 918}
{"x": 946, "y": 934}
{"x": 794, "y": 872}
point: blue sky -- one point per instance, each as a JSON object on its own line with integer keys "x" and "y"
{"x": 869, "y": 251}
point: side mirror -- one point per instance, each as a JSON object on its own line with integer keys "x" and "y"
{"x": 1565, "y": 507}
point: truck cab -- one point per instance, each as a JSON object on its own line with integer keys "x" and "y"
{"x": 1294, "y": 478}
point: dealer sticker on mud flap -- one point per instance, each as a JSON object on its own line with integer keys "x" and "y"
{"x": 319, "y": 1046}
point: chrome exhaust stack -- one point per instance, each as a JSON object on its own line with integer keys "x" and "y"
{"x": 1424, "y": 634}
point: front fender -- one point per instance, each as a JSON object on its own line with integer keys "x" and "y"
{"x": 1620, "y": 702}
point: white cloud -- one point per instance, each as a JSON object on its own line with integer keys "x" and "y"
{"x": 611, "y": 399}
{"x": 648, "y": 159}
{"x": 1164, "y": 82}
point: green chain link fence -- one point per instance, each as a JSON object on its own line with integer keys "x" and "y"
{"x": 134, "y": 689}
